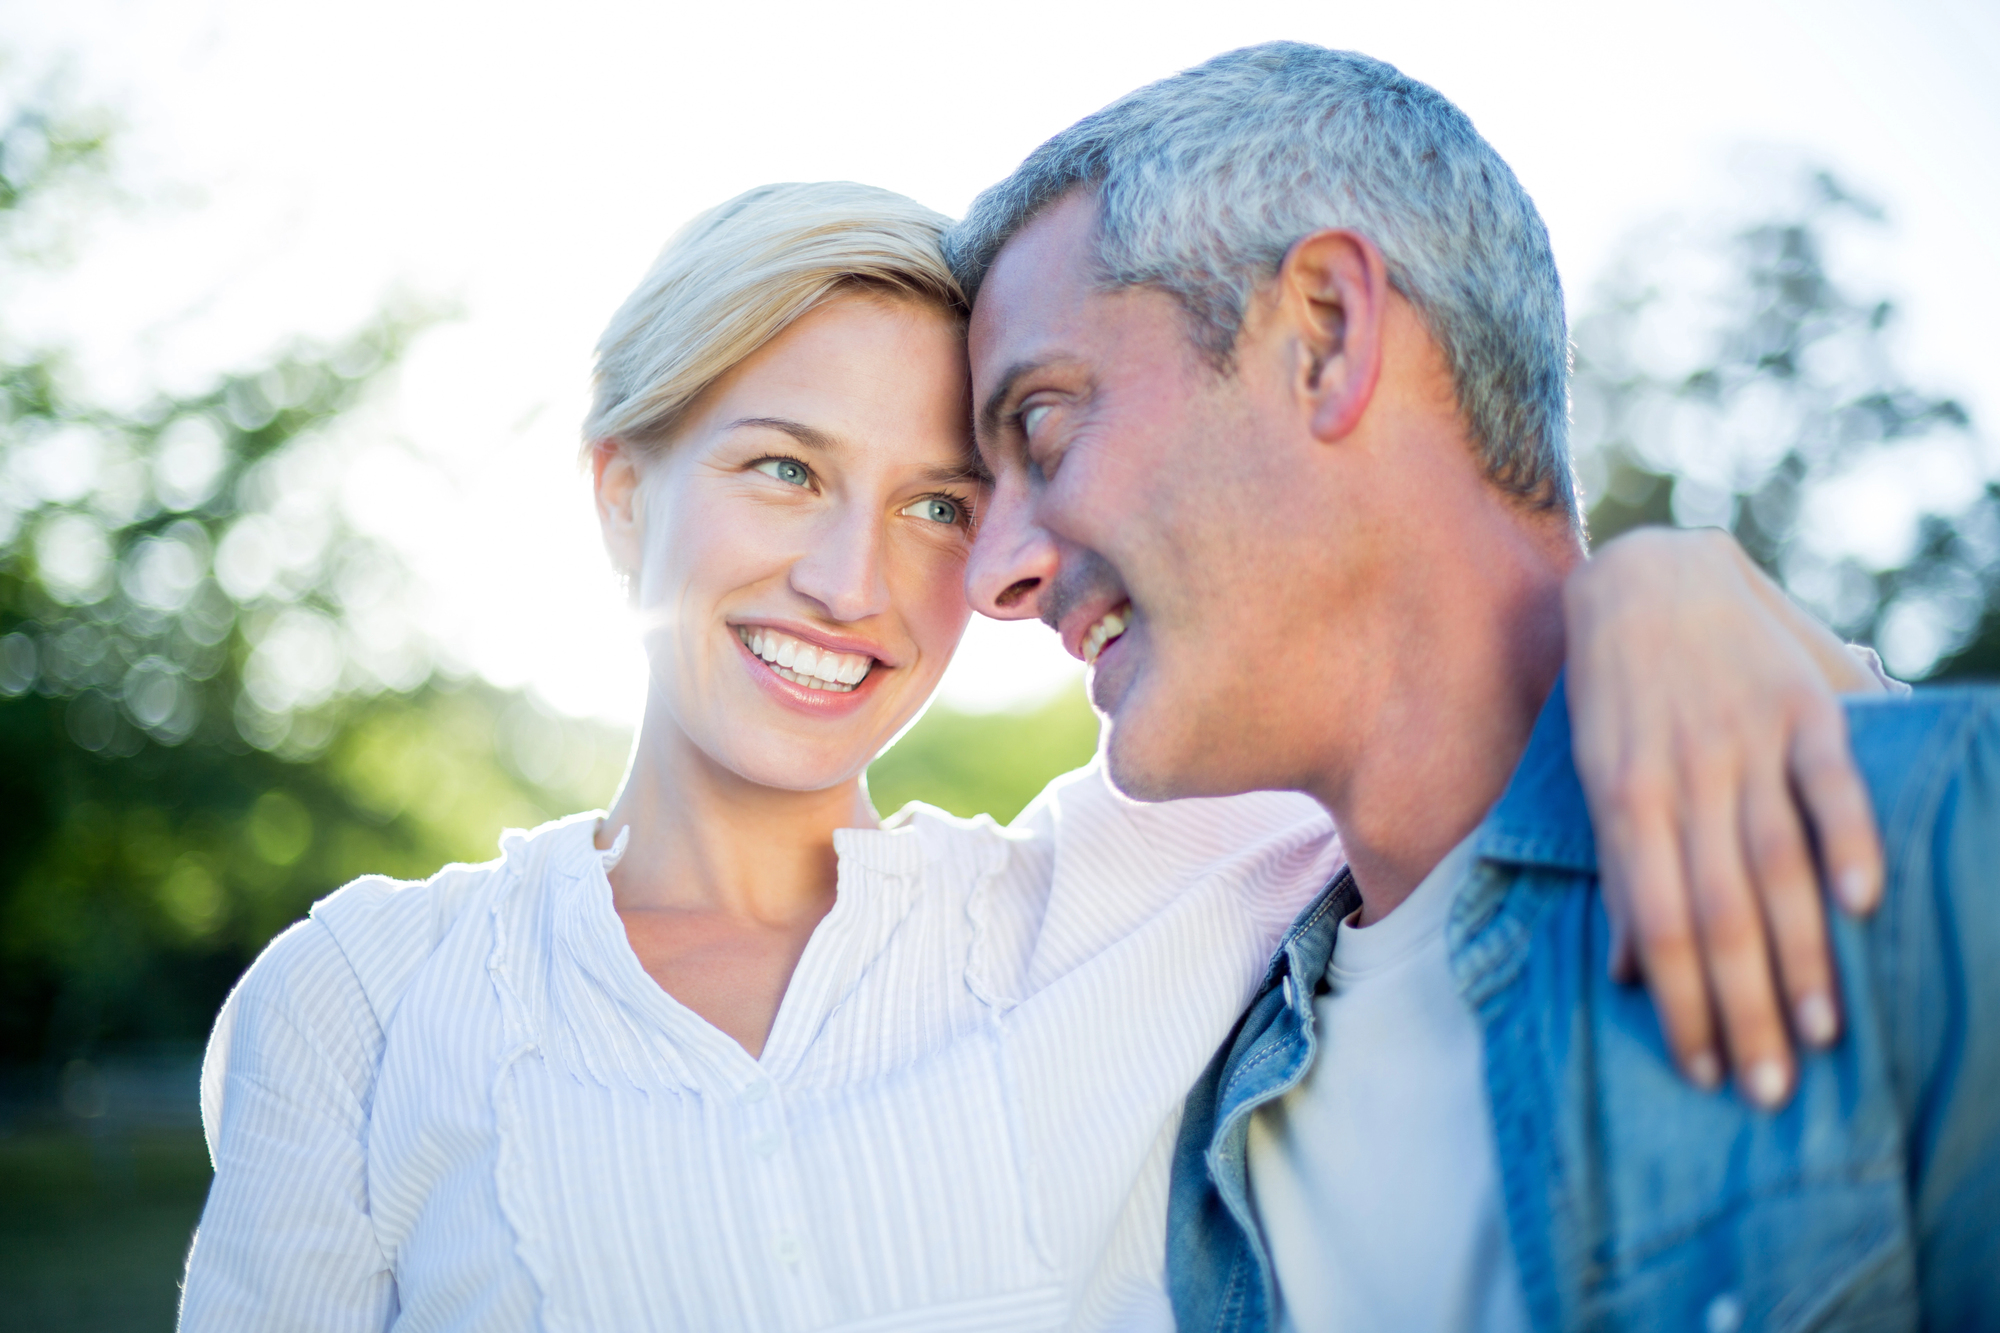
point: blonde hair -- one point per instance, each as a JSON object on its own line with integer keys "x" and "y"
{"x": 738, "y": 275}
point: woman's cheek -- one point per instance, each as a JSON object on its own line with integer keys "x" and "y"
{"x": 933, "y": 588}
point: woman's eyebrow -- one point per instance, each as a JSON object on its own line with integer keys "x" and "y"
{"x": 810, "y": 436}
{"x": 970, "y": 472}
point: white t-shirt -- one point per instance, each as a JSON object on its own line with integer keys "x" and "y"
{"x": 1376, "y": 1180}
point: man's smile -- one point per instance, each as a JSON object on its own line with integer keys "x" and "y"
{"x": 1104, "y": 632}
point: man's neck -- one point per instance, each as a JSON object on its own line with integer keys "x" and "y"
{"x": 1470, "y": 645}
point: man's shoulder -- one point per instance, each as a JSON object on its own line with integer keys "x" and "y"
{"x": 1933, "y": 748}
{"x": 1900, "y": 730}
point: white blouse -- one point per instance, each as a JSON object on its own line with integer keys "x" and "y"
{"x": 462, "y": 1104}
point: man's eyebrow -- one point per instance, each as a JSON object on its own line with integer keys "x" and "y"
{"x": 989, "y": 412}
{"x": 812, "y": 437}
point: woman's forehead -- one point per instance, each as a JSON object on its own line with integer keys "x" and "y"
{"x": 859, "y": 376}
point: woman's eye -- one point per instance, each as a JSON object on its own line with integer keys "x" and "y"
{"x": 935, "y": 508}
{"x": 788, "y": 470}
{"x": 1032, "y": 417}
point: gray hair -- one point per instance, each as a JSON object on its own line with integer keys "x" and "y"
{"x": 1205, "y": 180}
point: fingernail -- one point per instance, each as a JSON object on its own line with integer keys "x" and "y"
{"x": 1705, "y": 1070}
{"x": 1765, "y": 1081}
{"x": 1857, "y": 893}
{"x": 1816, "y": 1021}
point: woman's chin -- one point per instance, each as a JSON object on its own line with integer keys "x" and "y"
{"x": 803, "y": 779}
{"x": 785, "y": 761}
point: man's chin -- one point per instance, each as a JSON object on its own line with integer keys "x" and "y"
{"x": 1145, "y": 764}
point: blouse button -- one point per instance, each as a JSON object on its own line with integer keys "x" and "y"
{"x": 755, "y": 1093}
{"x": 786, "y": 1247}
{"x": 765, "y": 1144}
{"x": 1724, "y": 1314}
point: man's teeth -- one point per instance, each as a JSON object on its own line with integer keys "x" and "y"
{"x": 803, "y": 664}
{"x": 1103, "y": 632}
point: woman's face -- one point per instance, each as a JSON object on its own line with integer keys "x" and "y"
{"x": 799, "y": 547}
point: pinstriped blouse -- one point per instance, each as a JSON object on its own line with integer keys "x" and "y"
{"x": 462, "y": 1103}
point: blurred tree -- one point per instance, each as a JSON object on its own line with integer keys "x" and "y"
{"x": 1738, "y": 382}
{"x": 214, "y": 703}
{"x": 985, "y": 763}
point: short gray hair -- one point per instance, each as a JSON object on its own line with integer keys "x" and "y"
{"x": 1205, "y": 180}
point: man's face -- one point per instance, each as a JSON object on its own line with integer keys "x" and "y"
{"x": 1163, "y": 517}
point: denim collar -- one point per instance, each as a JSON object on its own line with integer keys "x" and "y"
{"x": 1541, "y": 819}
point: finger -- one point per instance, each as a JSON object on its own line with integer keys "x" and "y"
{"x": 1788, "y": 890}
{"x": 1837, "y": 804}
{"x": 1603, "y": 752}
{"x": 1624, "y": 960}
{"x": 1663, "y": 932}
{"x": 1622, "y": 964}
{"x": 1735, "y": 952}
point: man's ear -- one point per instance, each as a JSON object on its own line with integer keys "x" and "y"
{"x": 615, "y": 477}
{"x": 1334, "y": 285}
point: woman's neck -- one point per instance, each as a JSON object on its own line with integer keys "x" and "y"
{"x": 703, "y": 839}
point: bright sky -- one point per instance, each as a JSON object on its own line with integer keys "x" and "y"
{"x": 299, "y": 162}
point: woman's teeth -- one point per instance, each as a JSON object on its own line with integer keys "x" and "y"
{"x": 1103, "y": 632}
{"x": 804, "y": 664}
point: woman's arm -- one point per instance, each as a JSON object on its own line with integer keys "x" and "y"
{"x": 1714, "y": 755}
{"x": 285, "y": 1239}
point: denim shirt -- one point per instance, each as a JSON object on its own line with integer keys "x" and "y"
{"x": 1633, "y": 1199}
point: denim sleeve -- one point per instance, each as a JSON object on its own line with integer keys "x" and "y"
{"x": 1935, "y": 765}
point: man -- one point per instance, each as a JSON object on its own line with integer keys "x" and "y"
{"x": 1270, "y": 366}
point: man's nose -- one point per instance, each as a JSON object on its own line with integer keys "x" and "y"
{"x": 844, "y": 571}
{"x": 1013, "y": 558}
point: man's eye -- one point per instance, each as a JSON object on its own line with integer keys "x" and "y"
{"x": 789, "y": 470}
{"x": 935, "y": 508}
{"x": 1032, "y": 417}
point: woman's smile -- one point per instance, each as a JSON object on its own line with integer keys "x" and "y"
{"x": 805, "y": 672}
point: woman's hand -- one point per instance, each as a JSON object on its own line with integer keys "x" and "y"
{"x": 1710, "y": 741}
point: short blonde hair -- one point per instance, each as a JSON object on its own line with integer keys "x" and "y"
{"x": 738, "y": 275}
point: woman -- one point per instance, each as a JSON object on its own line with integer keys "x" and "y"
{"x": 734, "y": 1054}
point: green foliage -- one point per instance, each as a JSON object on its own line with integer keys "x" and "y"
{"x": 214, "y": 705}
{"x": 991, "y": 763}
{"x": 1792, "y": 390}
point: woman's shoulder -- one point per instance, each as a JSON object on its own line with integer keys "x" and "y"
{"x": 386, "y": 928}
{"x": 1084, "y": 807}
{"x": 314, "y": 1006}
{"x": 1082, "y": 825}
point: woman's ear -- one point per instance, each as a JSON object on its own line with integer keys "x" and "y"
{"x": 615, "y": 476}
{"x": 1335, "y": 287}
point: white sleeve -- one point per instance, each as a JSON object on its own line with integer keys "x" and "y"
{"x": 286, "y": 1240}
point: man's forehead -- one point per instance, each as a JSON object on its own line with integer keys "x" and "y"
{"x": 1037, "y": 285}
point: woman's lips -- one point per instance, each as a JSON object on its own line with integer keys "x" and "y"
{"x": 821, "y": 698}
{"x": 809, "y": 665}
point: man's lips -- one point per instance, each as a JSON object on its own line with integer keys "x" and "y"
{"x": 1088, "y": 634}
{"x": 1075, "y": 603}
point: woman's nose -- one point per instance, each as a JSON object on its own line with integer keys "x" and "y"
{"x": 1013, "y": 558}
{"x": 843, "y": 571}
